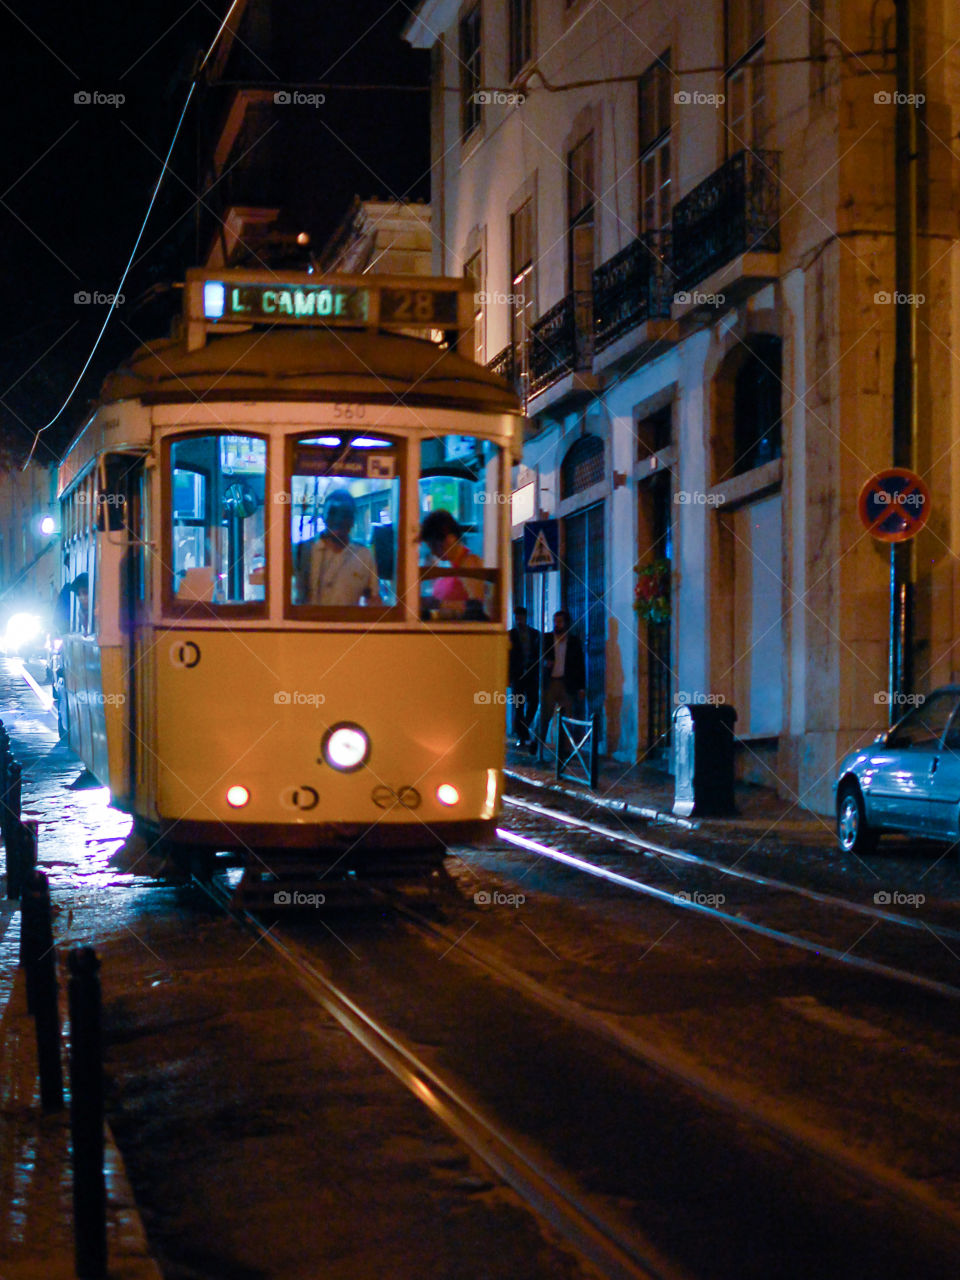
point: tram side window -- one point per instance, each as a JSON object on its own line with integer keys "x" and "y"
{"x": 344, "y": 513}
{"x": 217, "y": 485}
{"x": 460, "y": 512}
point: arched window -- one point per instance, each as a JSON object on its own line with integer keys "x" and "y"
{"x": 582, "y": 466}
{"x": 757, "y": 414}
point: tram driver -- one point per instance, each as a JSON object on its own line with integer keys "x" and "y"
{"x": 338, "y": 573}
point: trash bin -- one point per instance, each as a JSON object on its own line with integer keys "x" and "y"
{"x": 703, "y": 760}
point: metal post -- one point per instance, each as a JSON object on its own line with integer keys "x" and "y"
{"x": 541, "y": 677}
{"x": 86, "y": 1115}
{"x": 902, "y": 555}
{"x": 41, "y": 965}
{"x": 594, "y": 752}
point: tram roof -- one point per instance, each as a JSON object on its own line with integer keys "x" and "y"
{"x": 306, "y": 364}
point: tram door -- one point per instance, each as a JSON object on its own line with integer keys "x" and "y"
{"x": 120, "y": 521}
{"x": 583, "y": 591}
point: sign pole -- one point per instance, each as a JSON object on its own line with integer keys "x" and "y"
{"x": 902, "y": 556}
{"x": 541, "y": 682}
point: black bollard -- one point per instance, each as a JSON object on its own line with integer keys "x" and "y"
{"x": 21, "y": 860}
{"x": 41, "y": 965}
{"x": 86, "y": 1116}
{"x": 10, "y": 800}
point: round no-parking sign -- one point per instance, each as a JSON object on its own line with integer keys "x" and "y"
{"x": 894, "y": 504}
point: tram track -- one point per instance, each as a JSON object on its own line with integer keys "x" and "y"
{"x": 686, "y": 901}
{"x": 845, "y": 1181}
{"x": 604, "y": 1244}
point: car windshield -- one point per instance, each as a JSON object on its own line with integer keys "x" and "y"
{"x": 924, "y": 725}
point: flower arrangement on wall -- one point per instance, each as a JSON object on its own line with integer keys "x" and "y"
{"x": 651, "y": 594}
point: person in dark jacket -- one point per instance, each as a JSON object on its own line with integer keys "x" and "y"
{"x": 564, "y": 672}
{"x": 524, "y": 674}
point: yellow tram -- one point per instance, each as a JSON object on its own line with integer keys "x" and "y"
{"x": 262, "y": 654}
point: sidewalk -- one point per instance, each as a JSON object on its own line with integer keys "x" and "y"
{"x": 641, "y": 790}
{"x": 36, "y": 1178}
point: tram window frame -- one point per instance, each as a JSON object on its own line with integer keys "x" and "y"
{"x": 171, "y": 604}
{"x": 78, "y": 523}
{"x": 367, "y": 613}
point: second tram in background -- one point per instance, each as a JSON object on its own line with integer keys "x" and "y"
{"x": 265, "y": 656}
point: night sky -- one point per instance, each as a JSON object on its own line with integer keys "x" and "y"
{"x": 75, "y": 177}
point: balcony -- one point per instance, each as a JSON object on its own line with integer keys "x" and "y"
{"x": 561, "y": 341}
{"x": 634, "y": 286}
{"x": 733, "y": 213}
{"x": 504, "y": 365}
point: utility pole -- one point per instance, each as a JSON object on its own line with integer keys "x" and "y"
{"x": 902, "y": 554}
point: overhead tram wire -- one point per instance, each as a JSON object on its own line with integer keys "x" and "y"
{"x": 143, "y": 226}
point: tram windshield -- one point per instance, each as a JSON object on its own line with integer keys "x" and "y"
{"x": 217, "y": 487}
{"x": 344, "y": 513}
{"x": 460, "y": 511}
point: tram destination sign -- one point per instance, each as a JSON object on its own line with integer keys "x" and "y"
{"x": 320, "y": 302}
{"x": 278, "y": 303}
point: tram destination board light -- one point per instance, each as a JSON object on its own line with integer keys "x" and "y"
{"x": 279, "y": 303}
{"x": 255, "y": 302}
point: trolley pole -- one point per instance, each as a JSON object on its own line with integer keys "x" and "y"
{"x": 902, "y": 554}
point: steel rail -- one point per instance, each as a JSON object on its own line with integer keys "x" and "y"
{"x": 873, "y": 967}
{"x": 601, "y": 1243}
{"x": 770, "y": 882}
{"x": 800, "y": 1136}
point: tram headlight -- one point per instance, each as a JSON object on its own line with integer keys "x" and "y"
{"x": 237, "y": 797}
{"x": 345, "y": 747}
{"x": 448, "y": 794}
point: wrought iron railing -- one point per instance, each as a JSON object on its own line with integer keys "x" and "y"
{"x": 561, "y": 341}
{"x": 504, "y": 364}
{"x": 635, "y": 285}
{"x": 736, "y": 210}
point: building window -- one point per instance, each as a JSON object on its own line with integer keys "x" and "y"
{"x": 521, "y": 35}
{"x": 473, "y": 270}
{"x": 757, "y": 415}
{"x": 745, "y": 88}
{"x": 470, "y": 72}
{"x": 655, "y": 95}
{"x": 582, "y": 466}
{"x": 580, "y": 249}
{"x": 523, "y": 237}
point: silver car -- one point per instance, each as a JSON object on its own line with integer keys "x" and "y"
{"x": 908, "y": 779}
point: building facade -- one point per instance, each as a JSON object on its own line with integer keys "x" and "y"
{"x": 680, "y": 217}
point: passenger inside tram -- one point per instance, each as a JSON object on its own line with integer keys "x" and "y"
{"x": 457, "y": 596}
